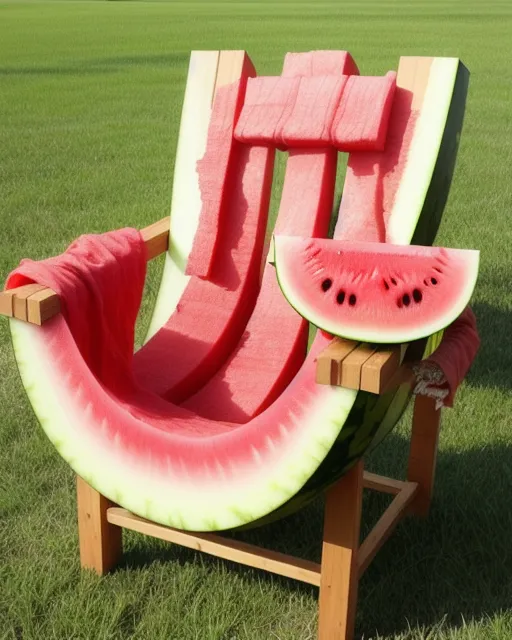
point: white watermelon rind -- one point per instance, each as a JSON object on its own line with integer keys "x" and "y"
{"x": 186, "y": 201}
{"x": 227, "y": 500}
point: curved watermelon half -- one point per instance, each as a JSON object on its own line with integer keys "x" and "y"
{"x": 375, "y": 292}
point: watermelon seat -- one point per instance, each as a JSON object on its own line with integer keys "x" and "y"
{"x": 218, "y": 421}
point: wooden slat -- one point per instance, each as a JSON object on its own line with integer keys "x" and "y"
{"x": 247, "y": 554}
{"x": 328, "y": 362}
{"x": 232, "y": 66}
{"x": 156, "y": 237}
{"x": 350, "y": 375}
{"x": 42, "y": 306}
{"x": 100, "y": 541}
{"x": 382, "y": 483}
{"x": 20, "y": 296}
{"x": 384, "y": 527}
{"x": 339, "y": 583}
{"x": 426, "y": 424}
{"x": 378, "y": 370}
{"x": 36, "y": 304}
{"x": 7, "y": 303}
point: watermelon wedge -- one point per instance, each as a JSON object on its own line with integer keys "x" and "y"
{"x": 375, "y": 292}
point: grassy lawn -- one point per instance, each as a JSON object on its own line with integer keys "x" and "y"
{"x": 90, "y": 99}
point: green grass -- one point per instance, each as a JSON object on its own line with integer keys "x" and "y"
{"x": 90, "y": 97}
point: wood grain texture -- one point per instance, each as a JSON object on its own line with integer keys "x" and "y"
{"x": 378, "y": 370}
{"x": 100, "y": 541}
{"x": 328, "y": 363}
{"x": 339, "y": 580}
{"x": 351, "y": 366}
{"x": 241, "y": 552}
{"x": 426, "y": 424}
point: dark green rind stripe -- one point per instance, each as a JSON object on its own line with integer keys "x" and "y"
{"x": 437, "y": 193}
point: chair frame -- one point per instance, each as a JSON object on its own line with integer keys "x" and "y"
{"x": 344, "y": 558}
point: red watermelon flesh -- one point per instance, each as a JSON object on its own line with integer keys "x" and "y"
{"x": 375, "y": 292}
{"x": 212, "y": 314}
{"x": 235, "y": 393}
{"x": 373, "y": 177}
{"x": 215, "y": 169}
{"x": 309, "y": 122}
{"x": 319, "y": 63}
{"x": 273, "y": 346}
{"x": 361, "y": 119}
{"x": 268, "y": 102}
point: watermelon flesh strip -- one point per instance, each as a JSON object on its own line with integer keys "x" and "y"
{"x": 349, "y": 112}
{"x": 266, "y": 360}
{"x": 214, "y": 171}
{"x": 361, "y": 119}
{"x": 319, "y": 63}
{"x": 212, "y": 314}
{"x": 375, "y": 292}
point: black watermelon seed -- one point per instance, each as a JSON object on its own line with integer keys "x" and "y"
{"x": 352, "y": 300}
{"x": 406, "y": 299}
{"x": 340, "y": 298}
{"x": 417, "y": 295}
{"x": 433, "y": 280}
{"x": 425, "y": 282}
{"x": 386, "y": 285}
{"x": 438, "y": 270}
{"x": 326, "y": 284}
{"x": 393, "y": 281}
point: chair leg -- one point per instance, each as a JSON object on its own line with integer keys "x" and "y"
{"x": 100, "y": 542}
{"x": 426, "y": 424}
{"x": 339, "y": 571}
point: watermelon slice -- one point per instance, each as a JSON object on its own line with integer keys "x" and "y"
{"x": 375, "y": 292}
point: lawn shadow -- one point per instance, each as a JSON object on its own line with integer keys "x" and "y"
{"x": 493, "y": 365}
{"x": 100, "y": 65}
{"x": 452, "y": 567}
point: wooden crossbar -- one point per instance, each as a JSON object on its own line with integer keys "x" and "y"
{"x": 356, "y": 365}
{"x": 251, "y": 555}
{"x": 344, "y": 557}
{"x": 37, "y": 304}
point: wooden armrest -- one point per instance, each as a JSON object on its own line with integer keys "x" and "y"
{"x": 361, "y": 366}
{"x": 36, "y": 304}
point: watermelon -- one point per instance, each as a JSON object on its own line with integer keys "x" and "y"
{"x": 165, "y": 462}
{"x": 375, "y": 292}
